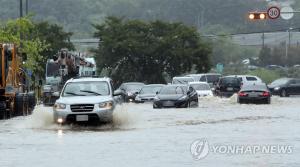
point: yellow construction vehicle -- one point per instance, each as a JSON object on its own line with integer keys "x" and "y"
{"x": 15, "y": 98}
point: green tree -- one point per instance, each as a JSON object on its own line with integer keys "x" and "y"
{"x": 19, "y": 32}
{"x": 265, "y": 56}
{"x": 139, "y": 51}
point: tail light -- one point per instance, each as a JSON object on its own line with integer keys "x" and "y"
{"x": 243, "y": 94}
{"x": 265, "y": 94}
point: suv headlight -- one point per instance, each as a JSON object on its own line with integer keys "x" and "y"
{"x": 277, "y": 88}
{"x": 60, "y": 106}
{"x": 106, "y": 105}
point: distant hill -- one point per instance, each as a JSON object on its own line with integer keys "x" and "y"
{"x": 78, "y": 15}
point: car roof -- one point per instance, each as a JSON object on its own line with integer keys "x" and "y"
{"x": 150, "y": 85}
{"x": 183, "y": 77}
{"x": 129, "y": 83}
{"x": 203, "y": 74}
{"x": 88, "y": 79}
{"x": 198, "y": 83}
{"x": 242, "y": 76}
{"x": 174, "y": 85}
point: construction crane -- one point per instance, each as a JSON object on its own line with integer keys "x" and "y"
{"x": 63, "y": 66}
{"x": 15, "y": 98}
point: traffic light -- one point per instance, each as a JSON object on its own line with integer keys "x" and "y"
{"x": 257, "y": 15}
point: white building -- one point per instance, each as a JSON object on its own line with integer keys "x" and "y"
{"x": 88, "y": 71}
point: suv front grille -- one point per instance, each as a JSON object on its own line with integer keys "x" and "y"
{"x": 82, "y": 107}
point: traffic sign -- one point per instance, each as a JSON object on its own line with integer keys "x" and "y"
{"x": 287, "y": 12}
{"x": 273, "y": 12}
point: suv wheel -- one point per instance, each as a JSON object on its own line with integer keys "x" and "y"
{"x": 284, "y": 93}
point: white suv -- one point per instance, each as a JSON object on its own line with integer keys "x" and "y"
{"x": 84, "y": 100}
{"x": 248, "y": 79}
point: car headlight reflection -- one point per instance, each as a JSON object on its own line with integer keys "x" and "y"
{"x": 106, "y": 105}
{"x": 60, "y": 106}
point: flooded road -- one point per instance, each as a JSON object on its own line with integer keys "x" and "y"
{"x": 141, "y": 136}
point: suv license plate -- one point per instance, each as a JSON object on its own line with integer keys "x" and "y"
{"x": 230, "y": 89}
{"x": 82, "y": 117}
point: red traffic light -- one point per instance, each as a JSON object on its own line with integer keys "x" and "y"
{"x": 257, "y": 15}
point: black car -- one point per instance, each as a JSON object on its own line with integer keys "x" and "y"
{"x": 285, "y": 87}
{"x": 129, "y": 90}
{"x": 254, "y": 93}
{"x": 148, "y": 92}
{"x": 179, "y": 96}
{"x": 227, "y": 86}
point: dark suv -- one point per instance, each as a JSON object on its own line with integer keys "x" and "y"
{"x": 227, "y": 86}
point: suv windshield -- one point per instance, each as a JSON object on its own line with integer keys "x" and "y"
{"x": 171, "y": 90}
{"x": 281, "y": 81}
{"x": 133, "y": 87}
{"x": 230, "y": 80}
{"x": 92, "y": 88}
{"x": 200, "y": 86}
{"x": 212, "y": 78}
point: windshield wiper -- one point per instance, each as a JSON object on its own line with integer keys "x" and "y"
{"x": 88, "y": 91}
{"x": 75, "y": 94}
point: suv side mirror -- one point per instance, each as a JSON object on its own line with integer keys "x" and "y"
{"x": 56, "y": 94}
{"x": 117, "y": 92}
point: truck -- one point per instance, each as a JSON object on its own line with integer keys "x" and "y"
{"x": 15, "y": 97}
{"x": 63, "y": 66}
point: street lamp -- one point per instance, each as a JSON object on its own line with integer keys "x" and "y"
{"x": 288, "y": 45}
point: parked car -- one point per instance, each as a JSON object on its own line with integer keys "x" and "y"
{"x": 227, "y": 86}
{"x": 85, "y": 100}
{"x": 179, "y": 96}
{"x": 202, "y": 88}
{"x": 182, "y": 80}
{"x": 129, "y": 90}
{"x": 147, "y": 93}
{"x": 211, "y": 78}
{"x": 285, "y": 87}
{"x": 254, "y": 93}
{"x": 275, "y": 67}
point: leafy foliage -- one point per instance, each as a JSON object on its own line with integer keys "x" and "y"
{"x": 18, "y": 32}
{"x": 140, "y": 51}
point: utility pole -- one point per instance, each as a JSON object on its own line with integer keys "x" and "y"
{"x": 21, "y": 8}
{"x": 26, "y": 11}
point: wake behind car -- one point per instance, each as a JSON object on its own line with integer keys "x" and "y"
{"x": 285, "y": 87}
{"x": 147, "y": 93}
{"x": 85, "y": 100}
{"x": 227, "y": 86}
{"x": 254, "y": 93}
{"x": 129, "y": 90}
{"x": 179, "y": 96}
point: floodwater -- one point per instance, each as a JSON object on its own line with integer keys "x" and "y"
{"x": 141, "y": 136}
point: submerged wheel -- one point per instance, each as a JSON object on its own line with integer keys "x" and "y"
{"x": 21, "y": 105}
{"x": 31, "y": 101}
{"x": 283, "y": 93}
{"x": 2, "y": 110}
